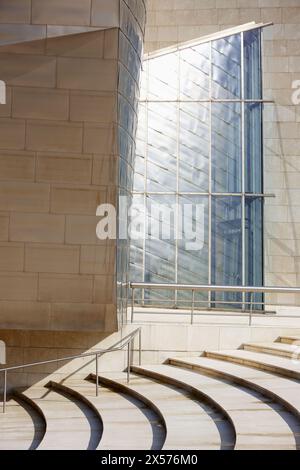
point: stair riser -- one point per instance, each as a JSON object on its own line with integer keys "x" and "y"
{"x": 290, "y": 341}
{"x": 270, "y": 351}
{"x": 256, "y": 365}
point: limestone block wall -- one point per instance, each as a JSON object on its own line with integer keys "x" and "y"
{"x": 173, "y": 21}
{"x": 59, "y": 159}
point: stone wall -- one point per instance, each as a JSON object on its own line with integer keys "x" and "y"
{"x": 173, "y": 21}
{"x": 59, "y": 152}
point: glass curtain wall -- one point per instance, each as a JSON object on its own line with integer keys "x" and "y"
{"x": 200, "y": 142}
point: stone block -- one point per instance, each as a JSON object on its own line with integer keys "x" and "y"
{"x": 87, "y": 74}
{"x": 61, "y": 12}
{"x": 47, "y": 228}
{"x": 62, "y": 288}
{"x": 93, "y": 107}
{"x": 36, "y": 103}
{"x": 17, "y": 165}
{"x": 43, "y": 258}
{"x": 98, "y": 259}
{"x": 24, "y": 197}
{"x": 87, "y": 45}
{"x": 54, "y": 136}
{"x": 18, "y": 286}
{"x": 15, "y": 11}
{"x": 11, "y": 257}
{"x": 28, "y": 70}
{"x": 12, "y": 133}
{"x": 58, "y": 169}
{"x": 65, "y": 200}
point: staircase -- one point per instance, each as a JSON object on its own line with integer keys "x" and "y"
{"x": 233, "y": 399}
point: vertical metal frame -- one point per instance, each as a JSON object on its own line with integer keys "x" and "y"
{"x": 243, "y": 169}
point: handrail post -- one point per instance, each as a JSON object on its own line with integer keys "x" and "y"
{"x": 5, "y": 391}
{"x": 132, "y": 304}
{"x": 128, "y": 361}
{"x": 251, "y": 309}
{"x": 193, "y": 307}
{"x": 97, "y": 375}
{"x": 140, "y": 346}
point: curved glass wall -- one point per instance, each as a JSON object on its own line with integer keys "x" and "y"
{"x": 199, "y": 144}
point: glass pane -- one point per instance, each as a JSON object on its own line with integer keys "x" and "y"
{"x": 194, "y": 147}
{"x": 226, "y": 68}
{"x": 226, "y": 148}
{"x": 253, "y": 148}
{"x": 253, "y": 71}
{"x": 254, "y": 246}
{"x": 163, "y": 77}
{"x": 193, "y": 247}
{"x": 162, "y": 147}
{"x": 195, "y": 72}
{"x": 139, "y": 183}
{"x": 227, "y": 246}
{"x": 160, "y": 252}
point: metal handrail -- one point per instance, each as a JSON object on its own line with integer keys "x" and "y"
{"x": 209, "y": 288}
{"x": 126, "y": 341}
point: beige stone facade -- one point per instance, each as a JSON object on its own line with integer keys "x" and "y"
{"x": 174, "y": 21}
{"x": 59, "y": 157}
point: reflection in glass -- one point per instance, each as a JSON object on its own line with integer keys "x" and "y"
{"x": 253, "y": 75}
{"x": 227, "y": 250}
{"x": 195, "y": 72}
{"x": 192, "y": 264}
{"x": 163, "y": 77}
{"x": 253, "y": 148}
{"x": 254, "y": 246}
{"x": 162, "y": 147}
{"x": 160, "y": 253}
{"x": 226, "y": 148}
{"x": 194, "y": 147}
{"x": 226, "y": 68}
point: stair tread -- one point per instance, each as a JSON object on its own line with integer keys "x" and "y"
{"x": 17, "y": 429}
{"x": 125, "y": 426}
{"x": 275, "y": 362}
{"x": 67, "y": 425}
{"x": 257, "y": 425}
{"x": 284, "y": 388}
{"x": 188, "y": 424}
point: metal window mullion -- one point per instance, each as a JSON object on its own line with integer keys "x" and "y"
{"x": 243, "y": 170}
{"x": 210, "y": 183}
{"x": 145, "y": 183}
{"x": 177, "y": 176}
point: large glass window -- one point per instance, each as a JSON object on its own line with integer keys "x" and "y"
{"x": 199, "y": 145}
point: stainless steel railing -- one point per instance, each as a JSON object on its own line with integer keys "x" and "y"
{"x": 126, "y": 341}
{"x": 207, "y": 288}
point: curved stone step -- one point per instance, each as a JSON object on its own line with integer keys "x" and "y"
{"x": 274, "y": 364}
{"x": 190, "y": 424}
{"x": 256, "y": 424}
{"x": 127, "y": 424}
{"x": 290, "y": 351}
{"x": 22, "y": 427}
{"x": 289, "y": 339}
{"x": 284, "y": 392}
{"x": 70, "y": 423}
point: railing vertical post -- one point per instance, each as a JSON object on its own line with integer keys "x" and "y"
{"x": 251, "y": 309}
{"x": 140, "y": 347}
{"x": 128, "y": 361}
{"x": 132, "y": 304}
{"x": 193, "y": 307}
{"x": 97, "y": 375}
{"x": 5, "y": 391}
